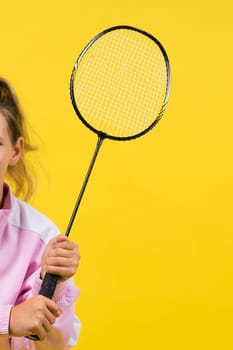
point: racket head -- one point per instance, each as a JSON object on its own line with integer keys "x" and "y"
{"x": 103, "y": 61}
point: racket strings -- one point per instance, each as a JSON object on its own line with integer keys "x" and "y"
{"x": 120, "y": 83}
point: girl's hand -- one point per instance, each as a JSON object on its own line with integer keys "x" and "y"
{"x": 61, "y": 257}
{"x": 34, "y": 316}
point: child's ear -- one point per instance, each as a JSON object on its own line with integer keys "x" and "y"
{"x": 17, "y": 151}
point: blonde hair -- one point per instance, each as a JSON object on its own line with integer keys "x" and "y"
{"x": 22, "y": 174}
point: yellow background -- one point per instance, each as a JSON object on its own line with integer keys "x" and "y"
{"x": 155, "y": 226}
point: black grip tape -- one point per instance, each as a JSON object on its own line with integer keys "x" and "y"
{"x": 48, "y": 285}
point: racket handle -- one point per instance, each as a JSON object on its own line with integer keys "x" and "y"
{"x": 48, "y": 285}
{"x": 47, "y": 289}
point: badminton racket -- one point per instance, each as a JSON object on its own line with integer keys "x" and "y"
{"x": 119, "y": 89}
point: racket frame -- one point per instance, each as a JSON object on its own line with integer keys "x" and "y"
{"x": 100, "y": 133}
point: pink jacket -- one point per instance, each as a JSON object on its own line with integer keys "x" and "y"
{"x": 24, "y": 232}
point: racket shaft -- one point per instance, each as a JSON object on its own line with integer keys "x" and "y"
{"x": 77, "y": 204}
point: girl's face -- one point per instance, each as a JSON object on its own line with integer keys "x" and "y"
{"x": 9, "y": 153}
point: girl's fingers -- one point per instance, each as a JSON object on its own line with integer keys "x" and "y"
{"x": 61, "y": 261}
{"x": 61, "y": 252}
{"x": 61, "y": 258}
{"x": 63, "y": 272}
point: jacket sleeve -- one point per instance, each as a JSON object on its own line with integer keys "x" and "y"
{"x": 4, "y": 319}
{"x": 66, "y": 328}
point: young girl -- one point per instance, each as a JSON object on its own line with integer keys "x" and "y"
{"x": 30, "y": 246}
